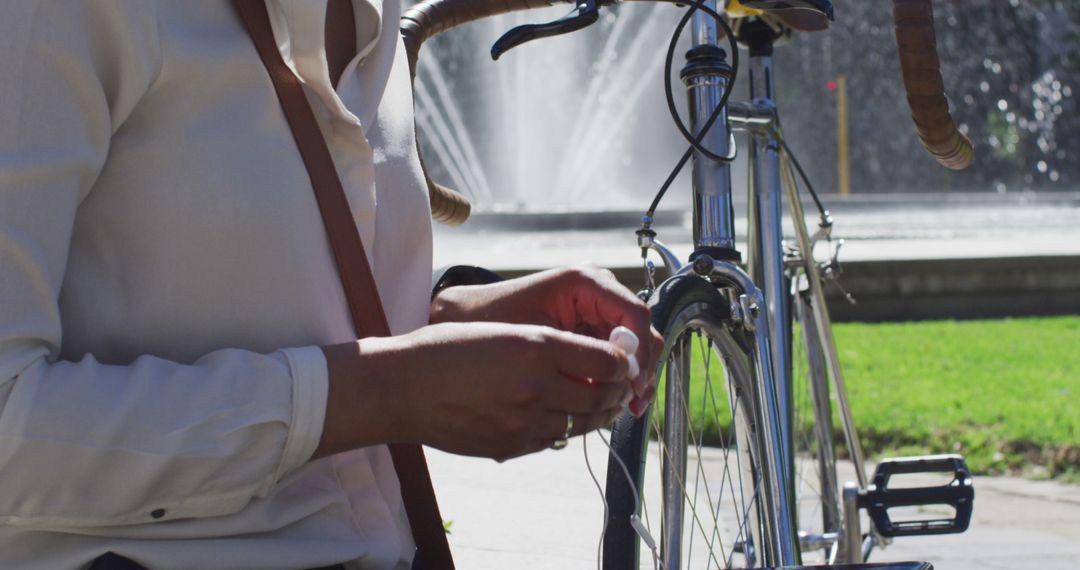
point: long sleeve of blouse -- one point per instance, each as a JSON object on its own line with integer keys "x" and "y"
{"x": 202, "y": 438}
{"x": 165, "y": 279}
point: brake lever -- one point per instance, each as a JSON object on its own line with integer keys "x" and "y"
{"x": 585, "y": 14}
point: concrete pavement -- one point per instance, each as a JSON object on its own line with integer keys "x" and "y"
{"x": 929, "y": 256}
{"x": 544, "y": 512}
{"x": 875, "y": 227}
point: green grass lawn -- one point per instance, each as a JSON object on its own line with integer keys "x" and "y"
{"x": 1004, "y": 393}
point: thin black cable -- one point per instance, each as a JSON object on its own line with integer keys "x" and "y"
{"x": 667, "y": 183}
{"x": 806, "y": 179}
{"x": 695, "y": 142}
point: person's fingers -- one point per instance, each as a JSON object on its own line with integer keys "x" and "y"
{"x": 638, "y": 405}
{"x": 647, "y": 378}
{"x": 532, "y": 447}
{"x": 579, "y": 356}
{"x": 555, "y": 424}
{"x": 598, "y": 295}
{"x": 575, "y": 396}
{"x": 593, "y": 422}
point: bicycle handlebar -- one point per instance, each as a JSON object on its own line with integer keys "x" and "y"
{"x": 432, "y": 17}
{"x": 917, "y": 44}
{"x": 428, "y": 19}
{"x": 915, "y": 38}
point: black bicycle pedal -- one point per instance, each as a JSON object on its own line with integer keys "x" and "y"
{"x": 958, "y": 493}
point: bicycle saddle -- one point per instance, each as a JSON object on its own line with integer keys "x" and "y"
{"x": 799, "y": 15}
{"x": 823, "y": 7}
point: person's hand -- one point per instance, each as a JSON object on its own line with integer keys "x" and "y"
{"x": 585, "y": 300}
{"x": 484, "y": 389}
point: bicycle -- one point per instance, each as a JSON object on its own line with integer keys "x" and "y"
{"x": 777, "y": 497}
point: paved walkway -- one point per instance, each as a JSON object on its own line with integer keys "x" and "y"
{"x": 544, "y": 512}
{"x": 882, "y": 227}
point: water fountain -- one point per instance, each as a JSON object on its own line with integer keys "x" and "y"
{"x": 578, "y": 122}
{"x": 572, "y": 134}
{"x": 570, "y": 123}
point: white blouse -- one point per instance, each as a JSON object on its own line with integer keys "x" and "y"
{"x": 165, "y": 281}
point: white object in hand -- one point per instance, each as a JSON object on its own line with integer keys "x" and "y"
{"x": 625, "y": 339}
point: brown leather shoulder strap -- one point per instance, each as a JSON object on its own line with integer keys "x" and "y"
{"x": 352, "y": 264}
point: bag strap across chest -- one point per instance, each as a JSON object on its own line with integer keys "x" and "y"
{"x": 361, "y": 292}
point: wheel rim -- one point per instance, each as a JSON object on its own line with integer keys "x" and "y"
{"x": 708, "y": 499}
{"x": 816, "y": 489}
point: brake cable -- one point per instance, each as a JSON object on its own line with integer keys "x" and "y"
{"x": 646, "y": 234}
{"x": 826, "y": 217}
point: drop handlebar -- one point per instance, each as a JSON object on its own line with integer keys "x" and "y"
{"x": 917, "y": 44}
{"x": 915, "y": 39}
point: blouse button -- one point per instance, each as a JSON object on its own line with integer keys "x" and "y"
{"x": 157, "y": 513}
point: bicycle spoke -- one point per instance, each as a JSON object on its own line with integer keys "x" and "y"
{"x": 701, "y": 351}
{"x": 697, "y": 451}
{"x": 708, "y": 354}
{"x": 732, "y": 442}
{"x": 681, "y": 480}
{"x": 695, "y": 442}
{"x": 700, "y": 467}
{"x": 726, "y": 475}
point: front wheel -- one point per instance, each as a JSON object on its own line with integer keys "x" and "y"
{"x": 693, "y": 458}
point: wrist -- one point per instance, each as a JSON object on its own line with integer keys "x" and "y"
{"x": 364, "y": 402}
{"x": 454, "y": 290}
{"x": 452, "y": 304}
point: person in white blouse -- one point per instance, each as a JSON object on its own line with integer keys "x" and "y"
{"x": 180, "y": 382}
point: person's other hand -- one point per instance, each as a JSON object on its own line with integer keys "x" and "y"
{"x": 494, "y": 389}
{"x": 585, "y": 300}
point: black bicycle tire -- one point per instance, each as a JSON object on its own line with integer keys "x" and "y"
{"x": 621, "y": 542}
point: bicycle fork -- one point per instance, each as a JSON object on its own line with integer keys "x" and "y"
{"x": 760, "y": 309}
{"x": 760, "y": 294}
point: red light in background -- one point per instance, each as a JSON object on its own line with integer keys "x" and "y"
{"x": 831, "y": 85}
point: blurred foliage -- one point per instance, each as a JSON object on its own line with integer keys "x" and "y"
{"x": 1009, "y": 70}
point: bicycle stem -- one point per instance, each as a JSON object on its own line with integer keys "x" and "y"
{"x": 706, "y": 76}
{"x": 764, "y": 292}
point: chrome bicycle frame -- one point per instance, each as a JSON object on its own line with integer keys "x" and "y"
{"x": 760, "y": 293}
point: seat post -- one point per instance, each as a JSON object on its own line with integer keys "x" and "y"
{"x": 767, "y": 265}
